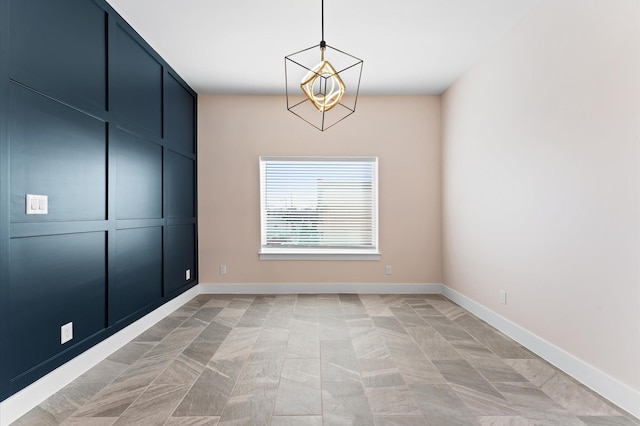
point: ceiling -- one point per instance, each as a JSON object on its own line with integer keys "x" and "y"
{"x": 238, "y": 46}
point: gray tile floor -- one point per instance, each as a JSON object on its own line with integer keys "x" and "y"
{"x": 296, "y": 360}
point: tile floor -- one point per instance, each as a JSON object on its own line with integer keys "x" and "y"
{"x": 299, "y": 360}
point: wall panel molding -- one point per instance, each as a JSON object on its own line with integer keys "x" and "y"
{"x": 83, "y": 105}
{"x": 4, "y": 199}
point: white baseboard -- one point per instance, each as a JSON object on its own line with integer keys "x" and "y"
{"x": 22, "y": 402}
{"x": 322, "y": 288}
{"x": 620, "y": 394}
{"x": 610, "y": 388}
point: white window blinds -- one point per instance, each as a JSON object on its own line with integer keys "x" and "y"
{"x": 319, "y": 205}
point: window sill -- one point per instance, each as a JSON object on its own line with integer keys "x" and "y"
{"x": 315, "y": 255}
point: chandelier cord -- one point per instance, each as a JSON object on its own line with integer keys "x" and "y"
{"x": 323, "y": 44}
{"x": 322, "y": 12}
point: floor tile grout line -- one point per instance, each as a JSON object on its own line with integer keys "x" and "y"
{"x": 205, "y": 365}
{"x": 162, "y": 372}
{"x": 321, "y": 381}
{"x": 244, "y": 366}
{"x": 448, "y": 383}
{"x": 128, "y": 367}
{"x": 153, "y": 382}
{"x": 472, "y": 337}
{"x": 463, "y": 358}
{"x": 275, "y": 399}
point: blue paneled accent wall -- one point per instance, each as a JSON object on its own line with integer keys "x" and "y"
{"x": 94, "y": 119}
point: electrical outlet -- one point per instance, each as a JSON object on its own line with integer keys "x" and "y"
{"x": 187, "y": 274}
{"x": 503, "y": 297}
{"x": 389, "y": 270}
{"x": 223, "y": 269}
{"x": 66, "y": 333}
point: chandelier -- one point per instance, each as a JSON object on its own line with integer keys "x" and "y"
{"x": 324, "y": 92}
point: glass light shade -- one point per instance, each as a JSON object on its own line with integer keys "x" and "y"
{"x": 323, "y": 92}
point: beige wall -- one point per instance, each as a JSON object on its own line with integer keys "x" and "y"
{"x": 404, "y": 132}
{"x": 541, "y": 181}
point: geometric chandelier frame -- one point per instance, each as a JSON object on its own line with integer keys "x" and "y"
{"x": 322, "y": 83}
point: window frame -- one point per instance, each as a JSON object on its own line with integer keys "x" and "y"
{"x": 319, "y": 253}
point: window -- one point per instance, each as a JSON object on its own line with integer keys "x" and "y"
{"x": 319, "y": 207}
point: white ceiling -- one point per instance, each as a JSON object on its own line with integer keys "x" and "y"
{"x": 238, "y": 46}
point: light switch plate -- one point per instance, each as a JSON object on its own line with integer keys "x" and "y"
{"x": 37, "y": 204}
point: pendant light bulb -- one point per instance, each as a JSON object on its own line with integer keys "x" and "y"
{"x": 323, "y": 86}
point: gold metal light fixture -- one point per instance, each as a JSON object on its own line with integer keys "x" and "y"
{"x": 323, "y": 93}
{"x": 323, "y": 73}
